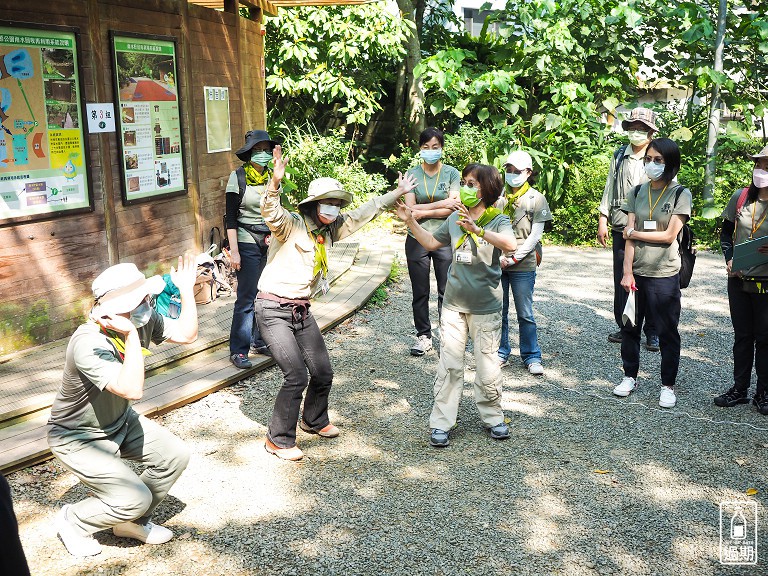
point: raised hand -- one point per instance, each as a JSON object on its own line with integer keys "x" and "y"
{"x": 184, "y": 276}
{"x": 278, "y": 164}
{"x": 402, "y": 211}
{"x": 117, "y": 323}
{"x": 405, "y": 182}
{"x": 466, "y": 221}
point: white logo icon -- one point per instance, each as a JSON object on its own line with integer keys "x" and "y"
{"x": 738, "y": 533}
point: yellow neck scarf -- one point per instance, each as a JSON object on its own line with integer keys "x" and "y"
{"x": 321, "y": 254}
{"x": 119, "y": 344}
{"x": 252, "y": 176}
{"x": 489, "y": 214}
{"x": 509, "y": 209}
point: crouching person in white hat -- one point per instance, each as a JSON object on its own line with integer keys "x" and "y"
{"x": 297, "y": 269}
{"x": 93, "y": 427}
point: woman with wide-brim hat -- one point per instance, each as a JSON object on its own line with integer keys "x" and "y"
{"x": 248, "y": 237}
{"x": 297, "y": 269}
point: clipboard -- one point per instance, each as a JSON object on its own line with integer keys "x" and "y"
{"x": 746, "y": 256}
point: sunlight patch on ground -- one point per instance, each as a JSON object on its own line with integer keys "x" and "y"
{"x": 666, "y": 486}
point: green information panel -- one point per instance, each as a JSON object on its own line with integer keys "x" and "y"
{"x": 151, "y": 152}
{"x": 43, "y": 159}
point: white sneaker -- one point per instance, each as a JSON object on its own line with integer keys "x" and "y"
{"x": 627, "y": 386}
{"x": 148, "y": 533}
{"x": 76, "y": 543}
{"x": 422, "y": 346}
{"x": 536, "y": 368}
{"x": 503, "y": 362}
{"x": 667, "y": 398}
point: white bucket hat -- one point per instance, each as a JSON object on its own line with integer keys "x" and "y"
{"x": 121, "y": 288}
{"x": 325, "y": 188}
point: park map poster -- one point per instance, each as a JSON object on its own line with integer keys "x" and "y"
{"x": 42, "y": 146}
{"x": 149, "y": 117}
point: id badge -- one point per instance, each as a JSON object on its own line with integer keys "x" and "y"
{"x": 649, "y": 225}
{"x": 464, "y": 257}
{"x": 324, "y": 286}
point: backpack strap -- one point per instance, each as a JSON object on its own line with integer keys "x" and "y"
{"x": 241, "y": 182}
{"x": 618, "y": 158}
{"x": 742, "y": 200}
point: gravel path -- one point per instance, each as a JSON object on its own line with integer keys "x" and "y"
{"x": 379, "y": 500}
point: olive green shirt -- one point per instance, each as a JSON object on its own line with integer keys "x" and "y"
{"x": 652, "y": 259}
{"x": 434, "y": 189}
{"x": 250, "y": 207}
{"x": 752, "y": 213}
{"x": 532, "y": 207}
{"x": 473, "y": 288}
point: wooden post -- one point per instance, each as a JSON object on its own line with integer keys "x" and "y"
{"x": 193, "y": 181}
{"x": 100, "y": 66}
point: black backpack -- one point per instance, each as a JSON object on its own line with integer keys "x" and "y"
{"x": 686, "y": 244}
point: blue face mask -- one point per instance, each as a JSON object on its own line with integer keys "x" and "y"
{"x": 141, "y": 314}
{"x": 654, "y": 171}
{"x": 515, "y": 180}
{"x": 431, "y": 156}
{"x": 261, "y": 157}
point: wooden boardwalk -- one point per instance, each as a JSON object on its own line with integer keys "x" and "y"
{"x": 176, "y": 374}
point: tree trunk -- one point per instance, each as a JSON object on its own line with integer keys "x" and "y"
{"x": 714, "y": 118}
{"x": 412, "y": 87}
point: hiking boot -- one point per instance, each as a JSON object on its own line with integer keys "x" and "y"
{"x": 731, "y": 398}
{"x": 499, "y": 432}
{"x": 76, "y": 543}
{"x": 148, "y": 533}
{"x": 667, "y": 398}
{"x": 329, "y": 431}
{"x": 627, "y": 386}
{"x": 263, "y": 350}
{"x": 293, "y": 453}
{"x": 615, "y": 337}
{"x": 422, "y": 346}
{"x": 536, "y": 368}
{"x": 652, "y": 343}
{"x": 439, "y": 438}
{"x": 241, "y": 361}
{"x": 761, "y": 403}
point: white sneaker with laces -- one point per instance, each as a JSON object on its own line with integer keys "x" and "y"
{"x": 627, "y": 386}
{"x": 667, "y": 398}
{"x": 76, "y": 543}
{"x": 422, "y": 346}
{"x": 536, "y": 368}
{"x": 148, "y": 533}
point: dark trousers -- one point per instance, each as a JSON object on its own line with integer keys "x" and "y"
{"x": 749, "y": 316}
{"x": 12, "y": 559}
{"x": 296, "y": 346}
{"x": 418, "y": 269}
{"x": 245, "y": 331}
{"x": 619, "y": 294}
{"x": 659, "y": 297}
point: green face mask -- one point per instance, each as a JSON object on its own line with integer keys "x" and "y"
{"x": 468, "y": 196}
{"x": 261, "y": 157}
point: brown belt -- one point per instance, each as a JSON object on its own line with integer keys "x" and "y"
{"x": 283, "y": 301}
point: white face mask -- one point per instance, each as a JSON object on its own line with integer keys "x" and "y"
{"x": 654, "y": 171}
{"x": 141, "y": 314}
{"x": 760, "y": 178}
{"x": 637, "y": 137}
{"x": 329, "y": 211}
{"x": 515, "y": 180}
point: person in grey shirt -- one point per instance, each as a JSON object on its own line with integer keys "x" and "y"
{"x": 626, "y": 173}
{"x": 92, "y": 425}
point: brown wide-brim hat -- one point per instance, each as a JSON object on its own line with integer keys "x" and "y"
{"x": 762, "y": 154}
{"x": 253, "y": 137}
{"x": 643, "y": 115}
{"x": 326, "y": 188}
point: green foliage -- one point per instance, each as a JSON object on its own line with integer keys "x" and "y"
{"x": 311, "y": 155}
{"x": 331, "y": 60}
{"x": 574, "y": 221}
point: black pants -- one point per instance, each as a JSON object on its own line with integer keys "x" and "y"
{"x": 659, "y": 297}
{"x": 12, "y": 559}
{"x": 619, "y": 294}
{"x": 418, "y": 269}
{"x": 296, "y": 346}
{"x": 749, "y": 316}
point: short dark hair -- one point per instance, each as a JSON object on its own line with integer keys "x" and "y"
{"x": 430, "y": 133}
{"x": 670, "y": 151}
{"x": 489, "y": 178}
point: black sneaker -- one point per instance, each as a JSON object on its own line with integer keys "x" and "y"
{"x": 241, "y": 361}
{"x": 439, "y": 438}
{"x": 761, "y": 402}
{"x": 652, "y": 343}
{"x": 615, "y": 337}
{"x": 731, "y": 398}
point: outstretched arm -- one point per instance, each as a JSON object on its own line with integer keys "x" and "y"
{"x": 426, "y": 239}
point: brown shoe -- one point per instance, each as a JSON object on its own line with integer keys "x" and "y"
{"x": 294, "y": 453}
{"x": 329, "y": 431}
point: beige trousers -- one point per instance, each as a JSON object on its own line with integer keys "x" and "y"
{"x": 485, "y": 331}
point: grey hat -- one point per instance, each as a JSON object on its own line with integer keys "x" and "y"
{"x": 253, "y": 137}
{"x": 762, "y": 154}
{"x": 643, "y": 115}
{"x": 324, "y": 188}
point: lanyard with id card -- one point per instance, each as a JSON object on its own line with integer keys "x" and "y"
{"x": 650, "y": 224}
{"x": 464, "y": 254}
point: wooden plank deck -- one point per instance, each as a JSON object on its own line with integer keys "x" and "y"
{"x": 179, "y": 377}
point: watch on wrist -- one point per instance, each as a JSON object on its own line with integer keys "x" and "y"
{"x": 629, "y": 232}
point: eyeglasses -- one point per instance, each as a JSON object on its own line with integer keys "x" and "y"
{"x": 469, "y": 183}
{"x": 656, "y": 160}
